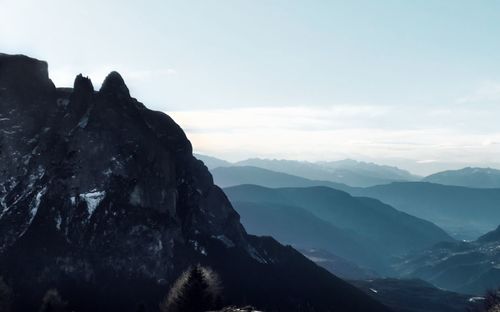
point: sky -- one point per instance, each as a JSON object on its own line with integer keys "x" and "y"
{"x": 408, "y": 83}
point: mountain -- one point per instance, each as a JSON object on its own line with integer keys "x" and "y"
{"x": 300, "y": 228}
{"x": 232, "y": 176}
{"x": 212, "y": 162}
{"x": 368, "y": 169}
{"x": 350, "y": 172}
{"x": 467, "y": 267}
{"x": 362, "y": 230}
{"x": 102, "y": 199}
{"x": 492, "y": 236}
{"x": 469, "y": 177}
{"x": 413, "y": 295}
{"x": 464, "y": 212}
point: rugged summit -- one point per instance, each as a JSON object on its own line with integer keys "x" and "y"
{"x": 102, "y": 199}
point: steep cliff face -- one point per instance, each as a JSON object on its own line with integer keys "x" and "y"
{"x": 102, "y": 198}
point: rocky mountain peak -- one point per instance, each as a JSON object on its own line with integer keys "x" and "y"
{"x": 114, "y": 85}
{"x": 83, "y": 85}
{"x": 102, "y": 198}
{"x": 25, "y": 71}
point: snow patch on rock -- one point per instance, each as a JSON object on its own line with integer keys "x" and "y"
{"x": 35, "y": 203}
{"x": 224, "y": 239}
{"x": 92, "y": 199}
{"x": 255, "y": 254}
{"x": 198, "y": 247}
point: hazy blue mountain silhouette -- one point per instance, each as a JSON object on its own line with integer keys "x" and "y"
{"x": 348, "y": 171}
{"x": 467, "y": 267}
{"x": 212, "y": 162}
{"x": 466, "y": 213}
{"x": 463, "y": 212}
{"x": 237, "y": 175}
{"x": 351, "y": 227}
{"x": 469, "y": 177}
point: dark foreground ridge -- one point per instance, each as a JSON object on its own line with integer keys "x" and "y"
{"x": 102, "y": 199}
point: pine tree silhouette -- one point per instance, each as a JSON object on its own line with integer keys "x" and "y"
{"x": 196, "y": 290}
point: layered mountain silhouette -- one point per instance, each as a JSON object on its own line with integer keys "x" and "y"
{"x": 469, "y": 177}
{"x": 348, "y": 171}
{"x": 233, "y": 176}
{"x": 464, "y": 212}
{"x": 212, "y": 162}
{"x": 360, "y": 229}
{"x": 102, "y": 199}
{"x": 467, "y": 267}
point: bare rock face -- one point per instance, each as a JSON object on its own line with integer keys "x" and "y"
{"x": 102, "y": 198}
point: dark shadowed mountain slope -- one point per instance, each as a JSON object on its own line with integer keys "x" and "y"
{"x": 467, "y": 267}
{"x": 102, "y": 199}
{"x": 350, "y": 172}
{"x": 339, "y": 266}
{"x": 379, "y": 229}
{"x": 469, "y": 177}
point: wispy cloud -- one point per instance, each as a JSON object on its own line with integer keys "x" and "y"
{"x": 336, "y": 132}
{"x": 286, "y": 118}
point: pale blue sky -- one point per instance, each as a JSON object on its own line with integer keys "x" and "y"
{"x": 317, "y": 80}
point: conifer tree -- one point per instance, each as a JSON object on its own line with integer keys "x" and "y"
{"x": 196, "y": 290}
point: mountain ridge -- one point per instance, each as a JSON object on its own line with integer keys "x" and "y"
{"x": 347, "y": 171}
{"x": 347, "y": 224}
{"x": 473, "y": 177}
{"x": 464, "y": 212}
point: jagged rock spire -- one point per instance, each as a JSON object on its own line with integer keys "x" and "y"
{"x": 83, "y": 84}
{"x": 114, "y": 85}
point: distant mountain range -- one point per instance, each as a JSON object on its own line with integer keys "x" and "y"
{"x": 362, "y": 174}
{"x": 350, "y": 172}
{"x": 212, "y": 162}
{"x": 362, "y": 230}
{"x": 302, "y": 212}
{"x": 232, "y": 176}
{"x": 469, "y": 177}
{"x": 466, "y": 213}
{"x": 467, "y": 267}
